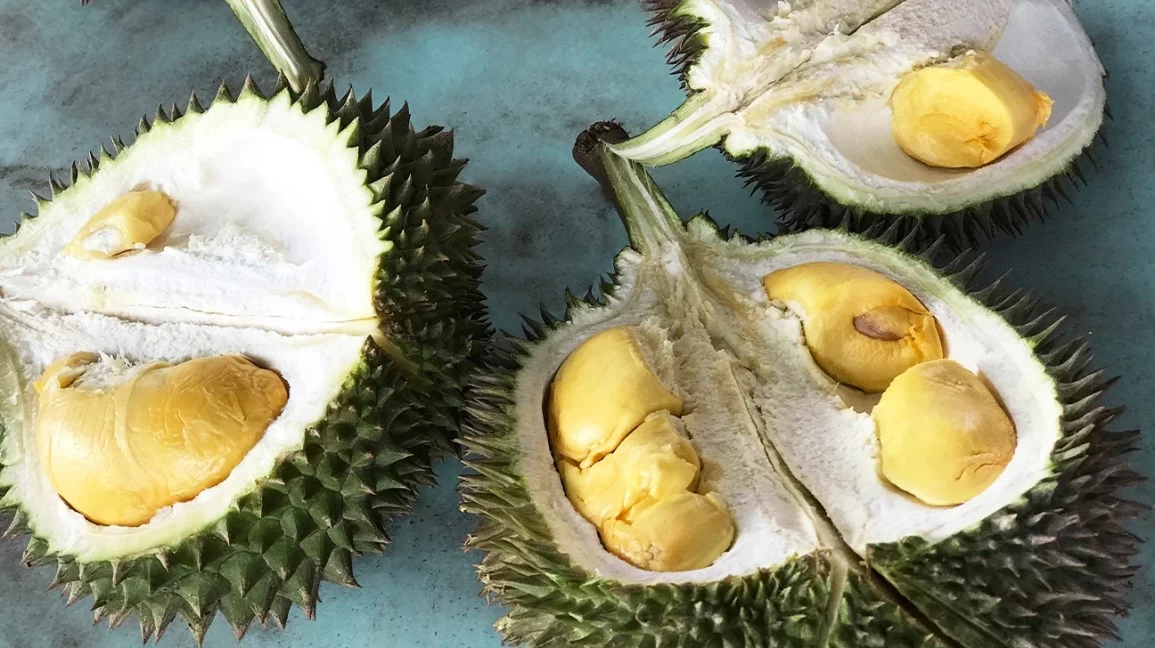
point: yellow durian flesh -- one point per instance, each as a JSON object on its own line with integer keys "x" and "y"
{"x": 624, "y": 463}
{"x": 602, "y": 391}
{"x": 653, "y": 461}
{"x": 862, "y": 328}
{"x": 943, "y": 436}
{"x": 122, "y": 448}
{"x": 966, "y": 113}
{"x": 128, "y": 223}
{"x": 680, "y": 532}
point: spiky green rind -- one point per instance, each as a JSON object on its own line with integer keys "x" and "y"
{"x": 802, "y": 205}
{"x": 363, "y": 461}
{"x": 680, "y": 32}
{"x": 865, "y": 620}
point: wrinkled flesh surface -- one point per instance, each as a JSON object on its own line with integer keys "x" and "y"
{"x": 943, "y": 436}
{"x": 272, "y": 255}
{"x": 643, "y": 492}
{"x": 121, "y": 442}
{"x": 810, "y": 80}
{"x": 967, "y": 113}
{"x": 792, "y": 456}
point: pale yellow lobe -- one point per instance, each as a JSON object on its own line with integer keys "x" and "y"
{"x": 966, "y": 113}
{"x": 862, "y": 328}
{"x": 126, "y": 224}
{"x": 623, "y": 462}
{"x": 652, "y": 462}
{"x": 943, "y": 436}
{"x": 681, "y": 532}
{"x": 121, "y": 448}
{"x": 602, "y": 391}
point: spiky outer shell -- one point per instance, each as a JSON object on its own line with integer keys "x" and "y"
{"x": 801, "y": 204}
{"x": 363, "y": 461}
{"x": 1050, "y": 569}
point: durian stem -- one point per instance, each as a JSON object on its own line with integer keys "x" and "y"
{"x": 649, "y": 218}
{"x": 266, "y": 22}
{"x": 698, "y": 123}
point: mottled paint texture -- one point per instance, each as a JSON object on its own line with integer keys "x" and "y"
{"x": 517, "y": 80}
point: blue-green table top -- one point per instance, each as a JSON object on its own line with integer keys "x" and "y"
{"x": 517, "y": 80}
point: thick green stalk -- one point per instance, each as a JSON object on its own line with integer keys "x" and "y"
{"x": 266, "y": 22}
{"x": 649, "y": 218}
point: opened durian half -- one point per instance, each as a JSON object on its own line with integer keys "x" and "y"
{"x": 952, "y": 118}
{"x": 230, "y": 350}
{"x": 677, "y": 464}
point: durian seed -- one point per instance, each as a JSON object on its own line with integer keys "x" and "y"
{"x": 862, "y": 328}
{"x": 966, "y": 113}
{"x": 602, "y": 391}
{"x": 943, "y": 436}
{"x": 677, "y": 533}
{"x": 120, "y": 443}
{"x": 126, "y": 224}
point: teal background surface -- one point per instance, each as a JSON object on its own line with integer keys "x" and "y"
{"x": 517, "y": 80}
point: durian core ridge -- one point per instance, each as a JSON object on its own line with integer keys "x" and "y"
{"x": 769, "y": 425}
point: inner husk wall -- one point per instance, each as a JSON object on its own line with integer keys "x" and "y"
{"x": 752, "y": 389}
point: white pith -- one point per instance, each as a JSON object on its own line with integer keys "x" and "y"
{"x": 273, "y": 254}
{"x": 770, "y": 528}
{"x": 838, "y": 131}
{"x": 733, "y": 346}
{"x": 272, "y": 226}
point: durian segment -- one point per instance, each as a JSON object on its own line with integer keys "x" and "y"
{"x": 862, "y": 328}
{"x": 734, "y": 465}
{"x": 312, "y": 368}
{"x": 681, "y": 532}
{"x": 828, "y": 115}
{"x": 652, "y": 462}
{"x": 274, "y": 227}
{"x": 120, "y": 443}
{"x": 967, "y": 113}
{"x": 128, "y": 223}
{"x": 942, "y": 435}
{"x": 837, "y": 460}
{"x": 604, "y": 390}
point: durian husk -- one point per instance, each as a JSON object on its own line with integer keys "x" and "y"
{"x": 363, "y": 462}
{"x": 801, "y": 205}
{"x": 1056, "y": 563}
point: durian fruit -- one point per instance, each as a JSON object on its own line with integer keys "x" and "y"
{"x": 255, "y": 324}
{"x": 953, "y": 119}
{"x": 827, "y": 551}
